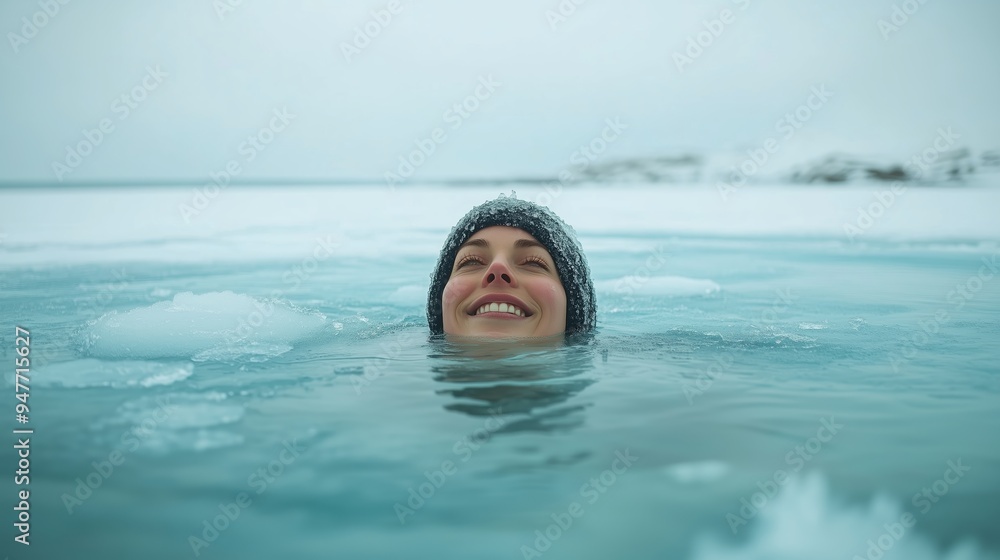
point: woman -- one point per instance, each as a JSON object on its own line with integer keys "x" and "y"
{"x": 511, "y": 268}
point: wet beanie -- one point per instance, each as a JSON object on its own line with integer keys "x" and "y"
{"x": 557, "y": 236}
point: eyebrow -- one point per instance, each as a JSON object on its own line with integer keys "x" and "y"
{"x": 519, "y": 244}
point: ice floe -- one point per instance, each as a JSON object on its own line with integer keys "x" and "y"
{"x": 210, "y": 326}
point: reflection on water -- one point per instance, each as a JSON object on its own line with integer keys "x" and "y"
{"x": 522, "y": 377}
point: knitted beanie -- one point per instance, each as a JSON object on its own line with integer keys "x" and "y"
{"x": 556, "y": 235}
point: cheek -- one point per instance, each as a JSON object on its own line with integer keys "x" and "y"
{"x": 454, "y": 292}
{"x": 551, "y": 296}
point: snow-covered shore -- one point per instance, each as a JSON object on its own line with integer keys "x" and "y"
{"x": 187, "y": 224}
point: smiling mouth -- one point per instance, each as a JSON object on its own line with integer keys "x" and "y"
{"x": 500, "y": 310}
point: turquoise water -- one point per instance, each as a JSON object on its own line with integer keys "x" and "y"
{"x": 736, "y": 358}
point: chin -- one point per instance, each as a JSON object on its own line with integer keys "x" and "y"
{"x": 500, "y": 333}
{"x": 491, "y": 333}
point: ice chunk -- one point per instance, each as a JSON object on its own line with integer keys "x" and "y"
{"x": 803, "y": 521}
{"x": 215, "y": 325}
{"x": 91, "y": 372}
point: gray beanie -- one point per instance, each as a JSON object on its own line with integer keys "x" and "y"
{"x": 557, "y": 236}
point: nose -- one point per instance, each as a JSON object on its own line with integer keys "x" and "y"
{"x": 499, "y": 273}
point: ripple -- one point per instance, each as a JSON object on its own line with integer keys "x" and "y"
{"x": 91, "y": 372}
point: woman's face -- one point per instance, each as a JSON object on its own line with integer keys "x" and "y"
{"x": 503, "y": 283}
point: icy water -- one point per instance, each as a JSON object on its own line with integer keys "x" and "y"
{"x": 753, "y": 396}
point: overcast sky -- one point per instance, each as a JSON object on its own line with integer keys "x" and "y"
{"x": 213, "y": 77}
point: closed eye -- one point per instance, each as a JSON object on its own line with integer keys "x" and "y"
{"x": 469, "y": 259}
{"x": 475, "y": 259}
{"x": 537, "y": 261}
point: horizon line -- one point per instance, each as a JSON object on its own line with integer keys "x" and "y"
{"x": 268, "y": 182}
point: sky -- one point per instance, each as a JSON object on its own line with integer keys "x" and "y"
{"x": 340, "y": 91}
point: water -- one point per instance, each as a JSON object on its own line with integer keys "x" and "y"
{"x": 719, "y": 360}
